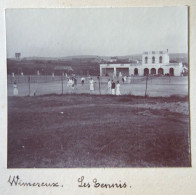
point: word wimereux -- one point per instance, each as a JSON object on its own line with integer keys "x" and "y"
{"x": 16, "y": 181}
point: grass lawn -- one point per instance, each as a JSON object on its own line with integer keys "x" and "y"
{"x": 98, "y": 131}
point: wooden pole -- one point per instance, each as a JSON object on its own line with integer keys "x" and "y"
{"x": 62, "y": 83}
{"x": 29, "y": 81}
{"x": 99, "y": 86}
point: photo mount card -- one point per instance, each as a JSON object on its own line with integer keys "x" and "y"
{"x": 112, "y": 68}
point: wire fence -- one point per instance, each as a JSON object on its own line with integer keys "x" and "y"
{"x": 34, "y": 85}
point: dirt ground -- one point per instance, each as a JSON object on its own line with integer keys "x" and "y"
{"x": 60, "y": 131}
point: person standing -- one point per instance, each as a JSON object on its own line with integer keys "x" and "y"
{"x": 72, "y": 83}
{"x": 109, "y": 86}
{"x": 91, "y": 85}
{"x": 118, "y": 88}
{"x": 123, "y": 80}
{"x": 69, "y": 83}
{"x": 113, "y": 87}
{"x": 15, "y": 89}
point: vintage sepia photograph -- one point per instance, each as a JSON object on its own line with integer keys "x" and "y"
{"x": 98, "y": 87}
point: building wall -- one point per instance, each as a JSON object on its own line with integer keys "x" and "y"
{"x": 130, "y": 68}
{"x": 156, "y": 54}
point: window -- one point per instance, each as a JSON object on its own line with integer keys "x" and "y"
{"x": 160, "y": 59}
{"x": 146, "y": 60}
{"x": 153, "y": 59}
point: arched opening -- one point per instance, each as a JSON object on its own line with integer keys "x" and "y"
{"x": 153, "y": 71}
{"x": 146, "y": 60}
{"x": 153, "y": 59}
{"x": 135, "y": 71}
{"x": 146, "y": 71}
{"x": 160, "y": 59}
{"x": 171, "y": 72}
{"x": 160, "y": 71}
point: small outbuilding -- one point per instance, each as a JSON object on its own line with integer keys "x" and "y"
{"x": 62, "y": 70}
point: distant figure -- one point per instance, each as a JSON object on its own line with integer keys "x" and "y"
{"x": 118, "y": 88}
{"x": 120, "y": 74}
{"x": 12, "y": 74}
{"x": 109, "y": 86}
{"x": 72, "y": 83}
{"x": 22, "y": 74}
{"x": 15, "y": 89}
{"x": 82, "y": 80}
{"x": 91, "y": 85}
{"x": 123, "y": 80}
{"x": 69, "y": 83}
{"x": 113, "y": 87}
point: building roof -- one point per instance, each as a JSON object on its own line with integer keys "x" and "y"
{"x": 155, "y": 52}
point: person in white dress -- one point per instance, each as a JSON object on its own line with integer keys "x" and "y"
{"x": 125, "y": 78}
{"x": 69, "y": 83}
{"x": 15, "y": 89}
{"x": 91, "y": 85}
{"x": 118, "y": 88}
{"x": 109, "y": 86}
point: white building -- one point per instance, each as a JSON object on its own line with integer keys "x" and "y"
{"x": 153, "y": 62}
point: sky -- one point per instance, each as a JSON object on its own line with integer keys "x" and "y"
{"x": 95, "y": 31}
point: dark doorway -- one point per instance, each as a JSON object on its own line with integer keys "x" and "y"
{"x": 135, "y": 71}
{"x": 171, "y": 72}
{"x": 153, "y": 71}
{"x": 160, "y": 71}
{"x": 146, "y": 71}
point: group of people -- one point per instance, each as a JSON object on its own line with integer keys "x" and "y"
{"x": 72, "y": 82}
{"x": 113, "y": 88}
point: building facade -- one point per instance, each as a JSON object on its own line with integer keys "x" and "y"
{"x": 153, "y": 62}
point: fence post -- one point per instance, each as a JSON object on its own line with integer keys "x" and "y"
{"x": 146, "y": 85}
{"x": 99, "y": 85}
{"x": 29, "y": 81}
{"x": 62, "y": 83}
